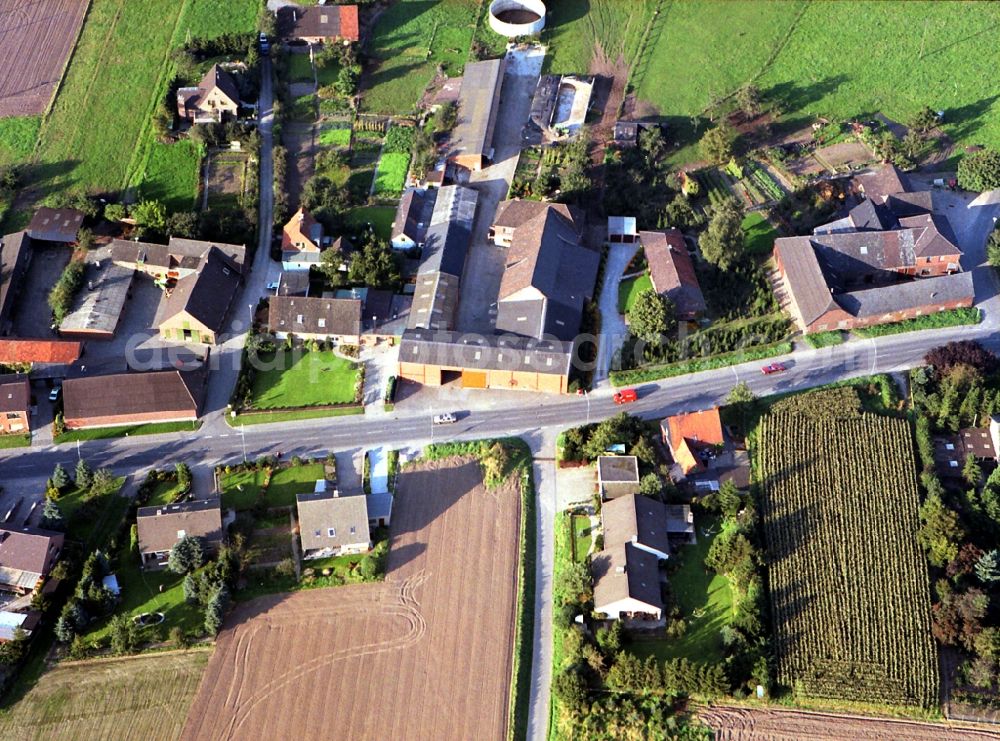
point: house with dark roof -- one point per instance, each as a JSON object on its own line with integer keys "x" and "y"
{"x": 318, "y": 24}
{"x": 617, "y": 476}
{"x": 332, "y": 524}
{"x": 413, "y": 217}
{"x": 215, "y": 99}
{"x": 879, "y": 184}
{"x": 301, "y": 241}
{"x": 638, "y": 520}
{"x": 442, "y": 259}
{"x": 15, "y": 404}
{"x": 434, "y": 358}
{"x": 672, "y": 272}
{"x": 627, "y": 583}
{"x": 15, "y": 255}
{"x": 471, "y": 144}
{"x": 161, "y": 526}
{"x": 27, "y": 555}
{"x": 335, "y": 319}
{"x": 195, "y": 309}
{"x": 180, "y": 258}
{"x": 548, "y": 275}
{"x": 122, "y": 399}
{"x": 55, "y": 225}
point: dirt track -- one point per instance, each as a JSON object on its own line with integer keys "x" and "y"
{"x": 745, "y": 724}
{"x": 424, "y": 655}
{"x": 36, "y": 36}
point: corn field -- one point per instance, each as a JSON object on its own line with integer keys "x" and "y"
{"x": 848, "y": 583}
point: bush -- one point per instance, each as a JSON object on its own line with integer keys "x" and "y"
{"x": 62, "y": 293}
{"x": 980, "y": 170}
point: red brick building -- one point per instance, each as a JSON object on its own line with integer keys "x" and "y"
{"x": 133, "y": 398}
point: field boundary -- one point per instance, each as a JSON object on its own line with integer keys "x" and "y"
{"x": 524, "y": 615}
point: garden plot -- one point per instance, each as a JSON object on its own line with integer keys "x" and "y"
{"x": 226, "y": 172}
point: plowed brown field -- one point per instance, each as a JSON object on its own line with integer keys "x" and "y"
{"x": 746, "y": 724}
{"x": 425, "y": 655}
{"x": 36, "y": 36}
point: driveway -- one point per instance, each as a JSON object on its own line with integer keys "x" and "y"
{"x": 613, "y": 329}
{"x": 485, "y": 263}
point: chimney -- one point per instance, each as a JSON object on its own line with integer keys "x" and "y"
{"x": 620, "y": 570}
{"x": 336, "y": 492}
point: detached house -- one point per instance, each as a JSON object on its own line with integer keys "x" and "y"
{"x": 320, "y": 24}
{"x": 692, "y": 439}
{"x": 160, "y": 527}
{"x": 195, "y": 309}
{"x": 215, "y": 99}
{"x": 15, "y": 404}
{"x": 336, "y": 319}
{"x": 672, "y": 272}
{"x": 331, "y": 524}
{"x": 301, "y": 241}
{"x": 27, "y": 555}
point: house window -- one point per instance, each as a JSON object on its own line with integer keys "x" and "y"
{"x": 298, "y": 319}
{"x": 928, "y": 259}
{"x": 353, "y": 530}
{"x": 953, "y": 464}
{"x": 13, "y": 415}
{"x": 332, "y": 532}
{"x": 321, "y": 322}
{"x": 180, "y": 534}
{"x": 318, "y": 533}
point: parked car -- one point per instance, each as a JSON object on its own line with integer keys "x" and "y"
{"x": 445, "y": 419}
{"x": 54, "y": 393}
{"x": 772, "y": 368}
{"x": 272, "y": 286}
{"x": 625, "y": 396}
{"x": 265, "y": 45}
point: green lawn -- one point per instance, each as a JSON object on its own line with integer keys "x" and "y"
{"x": 104, "y": 433}
{"x": 391, "y": 175}
{"x": 308, "y": 379}
{"x": 574, "y": 28}
{"x": 92, "y": 520}
{"x": 722, "y": 360}
{"x": 629, "y": 290}
{"x": 17, "y": 138}
{"x": 149, "y": 591}
{"x": 335, "y": 134}
{"x": 263, "y": 418}
{"x": 164, "y": 492}
{"x": 950, "y": 318}
{"x": 759, "y": 234}
{"x": 409, "y": 41}
{"x": 814, "y": 58}
{"x": 171, "y": 175}
{"x": 99, "y": 136}
{"x": 15, "y": 440}
{"x": 706, "y": 604}
{"x": 581, "y": 536}
{"x": 285, "y": 484}
{"x": 825, "y": 339}
{"x": 299, "y": 68}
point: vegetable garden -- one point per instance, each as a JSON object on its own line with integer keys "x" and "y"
{"x": 848, "y": 584}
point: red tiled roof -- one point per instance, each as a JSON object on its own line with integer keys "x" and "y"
{"x": 39, "y": 351}
{"x": 684, "y": 431}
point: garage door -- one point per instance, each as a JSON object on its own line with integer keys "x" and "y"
{"x": 473, "y": 379}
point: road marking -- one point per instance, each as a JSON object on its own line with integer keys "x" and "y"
{"x": 733, "y": 369}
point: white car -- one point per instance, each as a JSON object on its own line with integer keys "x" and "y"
{"x": 272, "y": 286}
{"x": 54, "y": 394}
{"x": 445, "y": 419}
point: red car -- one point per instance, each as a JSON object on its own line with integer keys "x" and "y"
{"x": 625, "y": 396}
{"x": 772, "y": 368}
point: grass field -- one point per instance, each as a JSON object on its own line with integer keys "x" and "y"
{"x": 163, "y": 493}
{"x": 575, "y": 27}
{"x": 309, "y": 379}
{"x": 581, "y": 537}
{"x": 17, "y": 138}
{"x": 335, "y": 134}
{"x": 950, "y": 318}
{"x": 285, "y": 484}
{"x": 813, "y": 59}
{"x": 629, "y": 290}
{"x": 143, "y": 697}
{"x": 104, "y": 433}
{"x": 98, "y": 135}
{"x": 380, "y": 217}
{"x": 91, "y": 520}
{"x": 261, "y": 418}
{"x": 825, "y": 339}
{"x": 411, "y": 38}
{"x": 15, "y": 440}
{"x": 391, "y": 175}
{"x": 759, "y": 234}
{"x": 299, "y": 68}
{"x": 706, "y": 604}
{"x": 861, "y": 629}
{"x": 171, "y": 175}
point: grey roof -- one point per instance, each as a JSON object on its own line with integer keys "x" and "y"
{"x": 179, "y": 253}
{"x": 883, "y": 182}
{"x": 447, "y": 239}
{"x": 206, "y": 294}
{"x": 473, "y": 132}
{"x": 161, "y": 526}
{"x": 867, "y": 216}
{"x": 548, "y": 277}
{"x": 99, "y": 304}
{"x": 294, "y": 283}
{"x": 414, "y": 214}
{"x": 910, "y": 294}
{"x": 27, "y": 554}
{"x": 493, "y": 352}
{"x": 435, "y": 302}
{"x": 635, "y": 519}
{"x": 314, "y": 316}
{"x": 624, "y": 571}
{"x": 15, "y": 393}
{"x": 671, "y": 270}
{"x": 55, "y": 224}
{"x": 621, "y": 468}
{"x": 198, "y": 248}
{"x": 319, "y": 512}
{"x": 379, "y": 505}
{"x": 804, "y": 278}
{"x": 15, "y": 253}
{"x": 679, "y": 519}
{"x": 123, "y": 394}
{"x": 916, "y": 203}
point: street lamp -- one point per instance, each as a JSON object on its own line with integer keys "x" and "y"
{"x": 243, "y": 438}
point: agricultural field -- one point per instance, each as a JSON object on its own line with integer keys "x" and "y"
{"x": 98, "y": 135}
{"x": 849, "y": 588}
{"x": 139, "y": 697}
{"x": 575, "y": 28}
{"x": 403, "y": 658}
{"x": 307, "y": 379}
{"x": 17, "y": 138}
{"x": 38, "y": 40}
{"x": 410, "y": 40}
{"x": 812, "y": 58}
{"x": 394, "y": 163}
